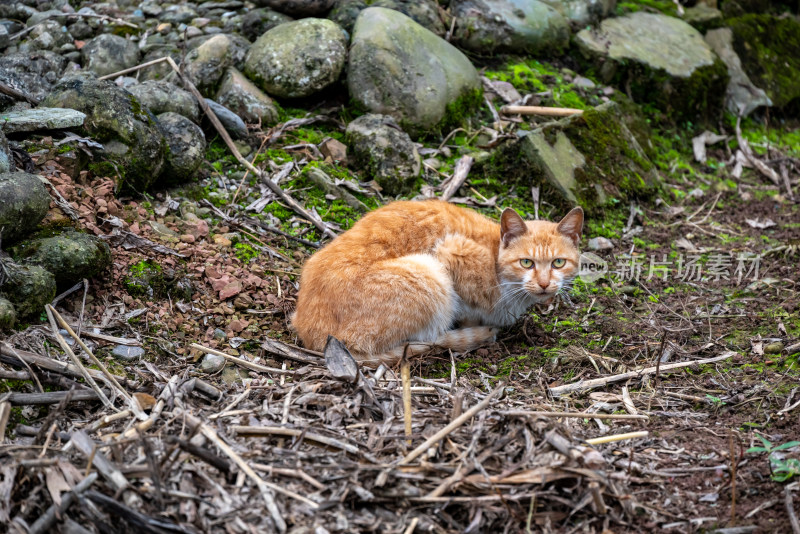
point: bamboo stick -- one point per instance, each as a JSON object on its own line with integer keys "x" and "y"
{"x": 540, "y": 110}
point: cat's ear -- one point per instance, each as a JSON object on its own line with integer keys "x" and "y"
{"x": 572, "y": 224}
{"x": 511, "y": 226}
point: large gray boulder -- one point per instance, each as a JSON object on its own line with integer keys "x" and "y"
{"x": 241, "y": 96}
{"x": 591, "y": 160}
{"x": 108, "y": 53}
{"x": 387, "y": 153}
{"x": 662, "y": 60}
{"x": 399, "y": 68}
{"x": 161, "y": 96}
{"x": 425, "y": 12}
{"x": 70, "y": 256}
{"x": 767, "y": 46}
{"x": 129, "y": 132}
{"x": 187, "y": 147}
{"x": 297, "y": 59}
{"x": 742, "y": 96}
{"x": 24, "y": 202}
{"x": 516, "y": 26}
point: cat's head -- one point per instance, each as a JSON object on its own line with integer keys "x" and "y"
{"x": 539, "y": 257}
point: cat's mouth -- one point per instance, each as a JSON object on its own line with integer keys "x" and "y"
{"x": 542, "y": 296}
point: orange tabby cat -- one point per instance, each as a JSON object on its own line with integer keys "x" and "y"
{"x": 428, "y": 274}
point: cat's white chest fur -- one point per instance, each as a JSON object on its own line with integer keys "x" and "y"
{"x": 512, "y": 304}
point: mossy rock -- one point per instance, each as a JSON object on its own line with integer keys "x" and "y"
{"x": 70, "y": 256}
{"x": 130, "y": 134}
{"x": 8, "y": 315}
{"x": 145, "y": 279}
{"x": 28, "y": 288}
{"x": 687, "y": 83}
{"x": 592, "y": 160}
{"x": 385, "y": 152}
{"x": 24, "y": 202}
{"x": 768, "y": 49}
{"x": 399, "y": 68}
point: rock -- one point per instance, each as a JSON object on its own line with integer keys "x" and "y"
{"x": 424, "y": 12}
{"x": 177, "y": 13}
{"x": 241, "y": 96}
{"x": 742, "y": 96}
{"x": 345, "y": 13}
{"x": 24, "y": 202}
{"x": 81, "y": 30}
{"x": 297, "y": 59}
{"x": 28, "y": 288}
{"x": 230, "y": 120}
{"x": 776, "y": 347}
{"x": 334, "y": 150}
{"x": 187, "y": 147}
{"x": 206, "y": 64}
{"x": 385, "y": 151}
{"x": 5, "y": 37}
{"x": 70, "y": 256}
{"x": 688, "y": 82}
{"x": 129, "y": 133}
{"x": 126, "y": 353}
{"x": 600, "y": 243}
{"x": 145, "y": 279}
{"x": 212, "y": 363}
{"x": 583, "y": 83}
{"x": 8, "y": 315}
{"x": 586, "y": 159}
{"x": 515, "y": 26}
{"x": 6, "y": 158}
{"x": 298, "y": 8}
{"x": 49, "y": 35}
{"x": 233, "y": 375}
{"x": 160, "y": 96}
{"x": 33, "y": 73}
{"x": 767, "y": 46}
{"x": 582, "y": 12}
{"x": 702, "y": 17}
{"x": 108, "y": 53}
{"x": 256, "y": 22}
{"x": 398, "y": 68}
{"x": 30, "y": 120}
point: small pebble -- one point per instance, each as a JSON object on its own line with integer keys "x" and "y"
{"x": 127, "y": 353}
{"x": 212, "y": 363}
{"x": 600, "y": 243}
{"x": 776, "y": 347}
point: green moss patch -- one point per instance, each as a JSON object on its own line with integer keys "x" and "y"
{"x": 768, "y": 48}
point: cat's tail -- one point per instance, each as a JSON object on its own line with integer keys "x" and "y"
{"x": 459, "y": 340}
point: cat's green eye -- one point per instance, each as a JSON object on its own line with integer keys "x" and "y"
{"x": 526, "y": 263}
{"x": 559, "y": 263}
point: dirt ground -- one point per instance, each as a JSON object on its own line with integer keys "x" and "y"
{"x": 224, "y": 285}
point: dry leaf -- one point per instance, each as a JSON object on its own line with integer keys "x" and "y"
{"x": 339, "y": 361}
{"x": 56, "y": 484}
{"x": 758, "y": 223}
